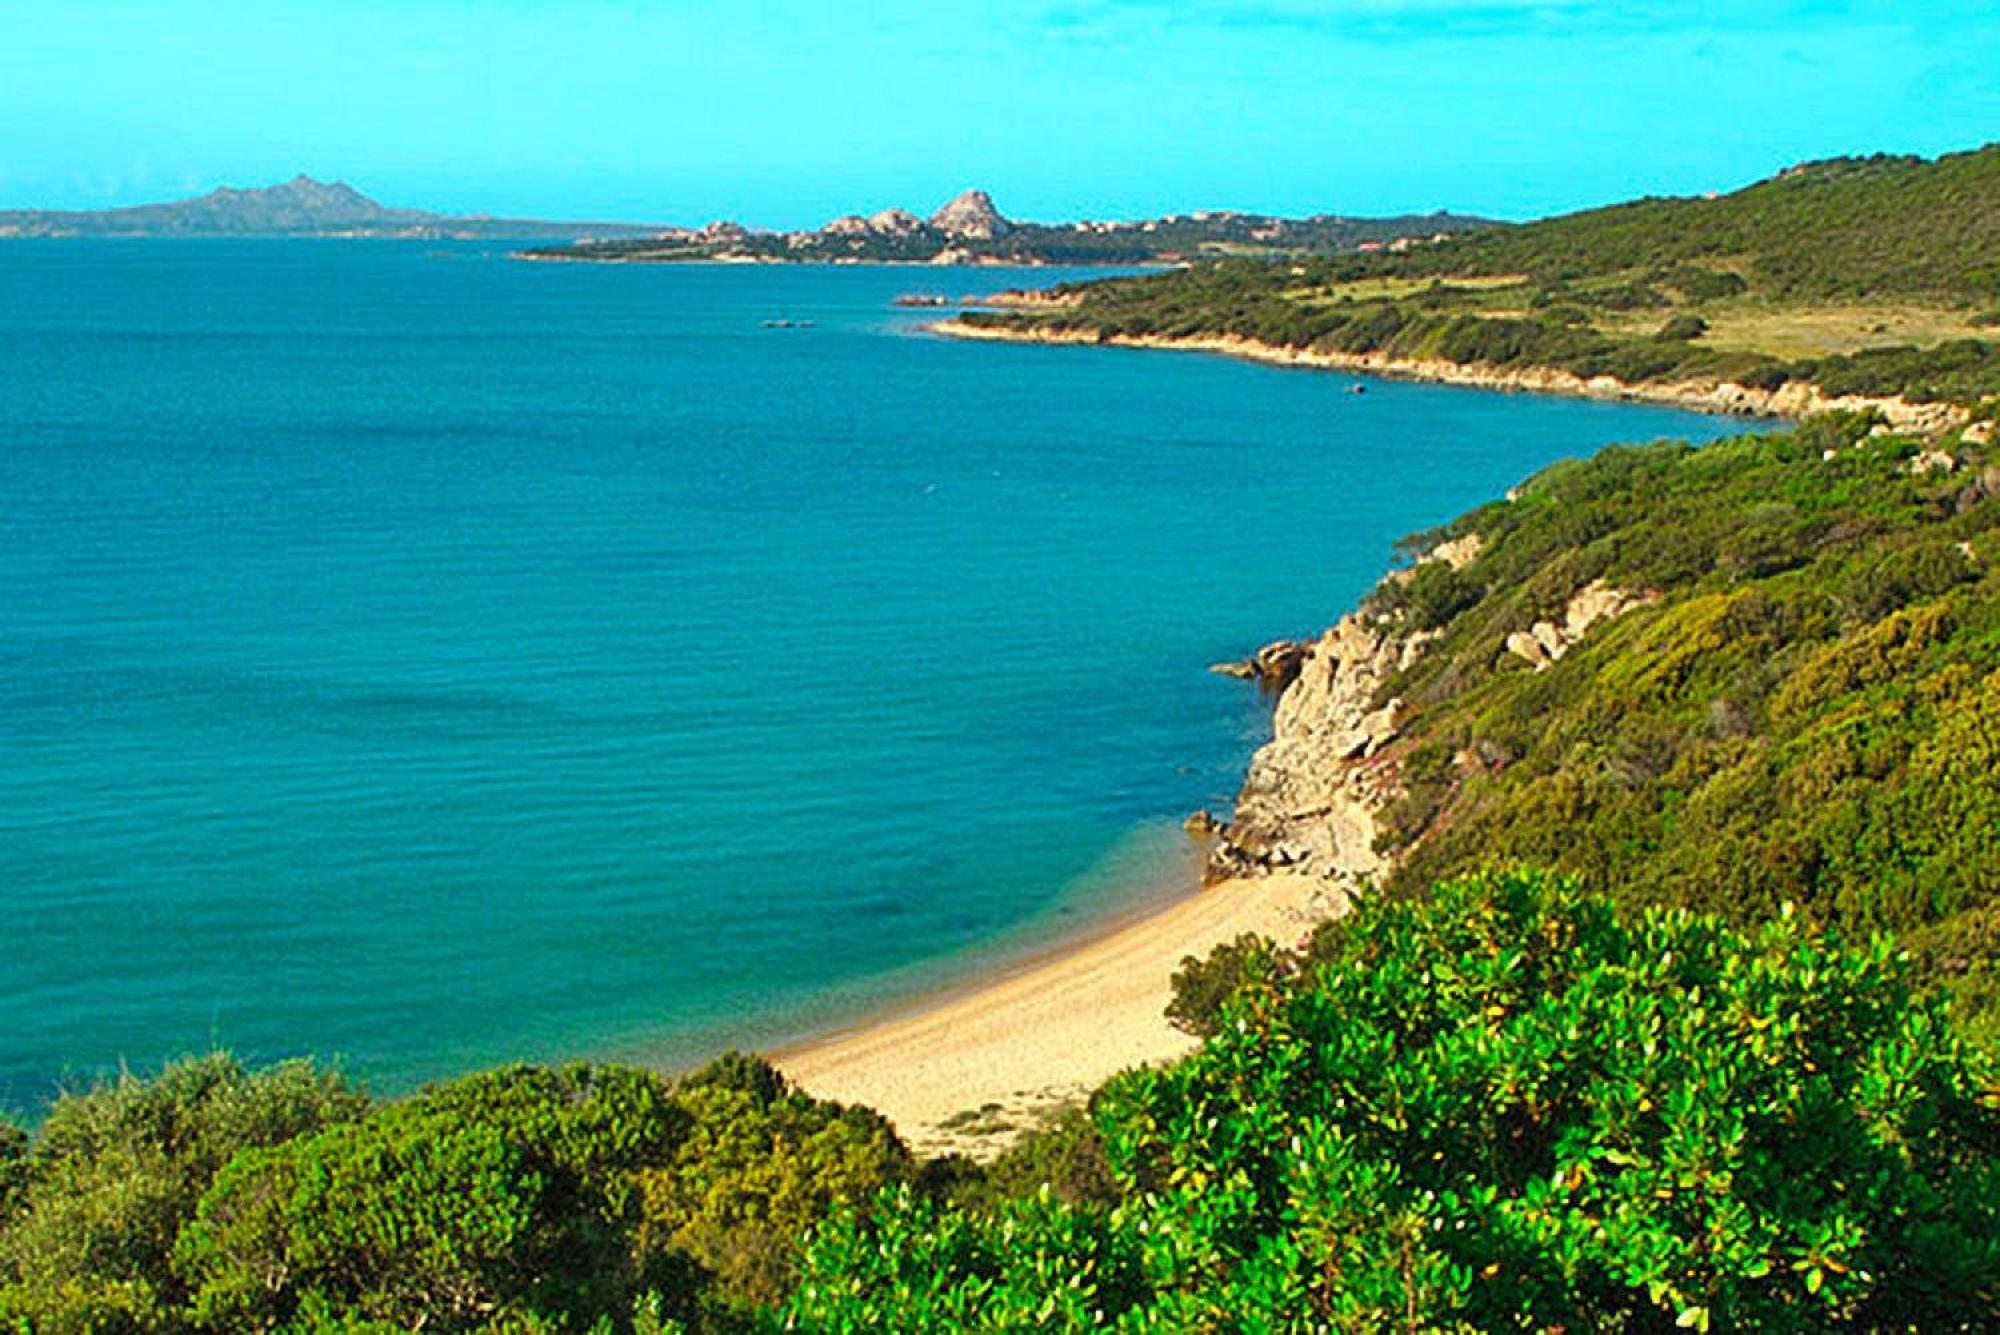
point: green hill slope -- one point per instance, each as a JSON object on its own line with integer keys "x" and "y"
{"x": 1807, "y": 713}
{"x": 1875, "y": 276}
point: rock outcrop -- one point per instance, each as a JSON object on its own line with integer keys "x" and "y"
{"x": 1313, "y": 791}
{"x": 1274, "y": 667}
{"x": 972, "y": 217}
{"x": 1547, "y": 641}
{"x": 895, "y": 222}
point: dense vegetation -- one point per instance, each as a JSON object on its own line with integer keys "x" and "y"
{"x": 1808, "y": 713}
{"x": 523, "y": 1198}
{"x": 1734, "y": 288}
{"x": 1502, "y": 1105}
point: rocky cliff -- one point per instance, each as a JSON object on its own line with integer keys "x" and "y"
{"x": 1314, "y": 794}
{"x": 1310, "y": 799}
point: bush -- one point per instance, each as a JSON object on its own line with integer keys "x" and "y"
{"x": 118, "y": 1168}
{"x": 1503, "y": 1106}
{"x": 1430, "y": 594}
{"x": 1065, "y": 1156}
{"x": 1681, "y": 329}
{"x": 1201, "y": 985}
{"x": 759, "y": 1165}
{"x": 13, "y": 1165}
{"x": 503, "y": 1196}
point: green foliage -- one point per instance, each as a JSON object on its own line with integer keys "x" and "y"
{"x": 1854, "y": 231}
{"x": 522, "y": 1198}
{"x": 1430, "y": 594}
{"x": 88, "y": 1239}
{"x": 1801, "y": 714}
{"x": 906, "y": 1263}
{"x": 1064, "y": 1156}
{"x": 1681, "y": 328}
{"x": 13, "y": 1165}
{"x": 1502, "y": 1106}
{"x": 760, "y": 1164}
{"x": 1201, "y": 985}
{"x": 506, "y": 1194}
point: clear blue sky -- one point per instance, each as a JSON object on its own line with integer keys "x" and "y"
{"x": 786, "y": 112}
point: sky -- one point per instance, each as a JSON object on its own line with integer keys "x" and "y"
{"x": 785, "y": 114}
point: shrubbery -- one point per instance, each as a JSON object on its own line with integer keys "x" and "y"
{"x": 1202, "y": 985}
{"x": 1501, "y": 1106}
{"x": 521, "y": 1198}
{"x": 1797, "y": 717}
{"x": 1848, "y": 231}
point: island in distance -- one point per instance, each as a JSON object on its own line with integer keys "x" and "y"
{"x": 971, "y": 230}
{"x": 968, "y": 230}
{"x": 301, "y": 206}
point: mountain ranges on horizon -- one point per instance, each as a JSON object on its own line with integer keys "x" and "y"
{"x": 301, "y": 206}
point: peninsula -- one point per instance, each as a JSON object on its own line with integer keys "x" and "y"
{"x": 1864, "y": 282}
{"x": 971, "y": 230}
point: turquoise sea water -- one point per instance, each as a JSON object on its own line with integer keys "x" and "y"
{"x": 431, "y": 660}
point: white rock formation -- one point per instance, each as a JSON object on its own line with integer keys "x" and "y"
{"x": 1546, "y": 641}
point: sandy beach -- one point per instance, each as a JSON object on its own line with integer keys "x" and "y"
{"x": 966, "y": 1073}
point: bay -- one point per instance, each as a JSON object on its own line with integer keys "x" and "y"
{"x": 423, "y": 659}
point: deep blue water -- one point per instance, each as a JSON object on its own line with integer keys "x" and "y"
{"x": 432, "y": 660}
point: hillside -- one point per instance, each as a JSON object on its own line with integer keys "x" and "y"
{"x": 301, "y": 206}
{"x": 971, "y": 230}
{"x": 1760, "y": 673}
{"x": 1861, "y": 276}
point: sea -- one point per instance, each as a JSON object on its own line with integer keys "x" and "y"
{"x": 420, "y": 659}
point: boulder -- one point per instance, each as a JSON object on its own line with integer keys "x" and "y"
{"x": 971, "y": 216}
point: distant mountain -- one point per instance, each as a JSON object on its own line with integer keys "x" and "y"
{"x": 972, "y": 230}
{"x": 301, "y": 206}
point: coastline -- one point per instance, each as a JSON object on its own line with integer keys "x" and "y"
{"x": 966, "y": 1071}
{"x": 1791, "y": 400}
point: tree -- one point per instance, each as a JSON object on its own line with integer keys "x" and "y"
{"x": 116, "y": 1169}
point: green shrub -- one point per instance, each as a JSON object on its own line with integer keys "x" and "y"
{"x": 1065, "y": 1156}
{"x": 1202, "y": 984}
{"x": 1681, "y": 329}
{"x": 759, "y": 1165}
{"x": 1502, "y": 1106}
{"x": 507, "y": 1195}
{"x": 13, "y": 1165}
{"x": 1430, "y": 594}
{"x": 117, "y": 1169}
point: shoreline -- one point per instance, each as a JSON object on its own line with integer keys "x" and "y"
{"x": 967, "y": 1069}
{"x": 1789, "y": 401}
{"x": 734, "y": 261}
{"x": 964, "y": 1071}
